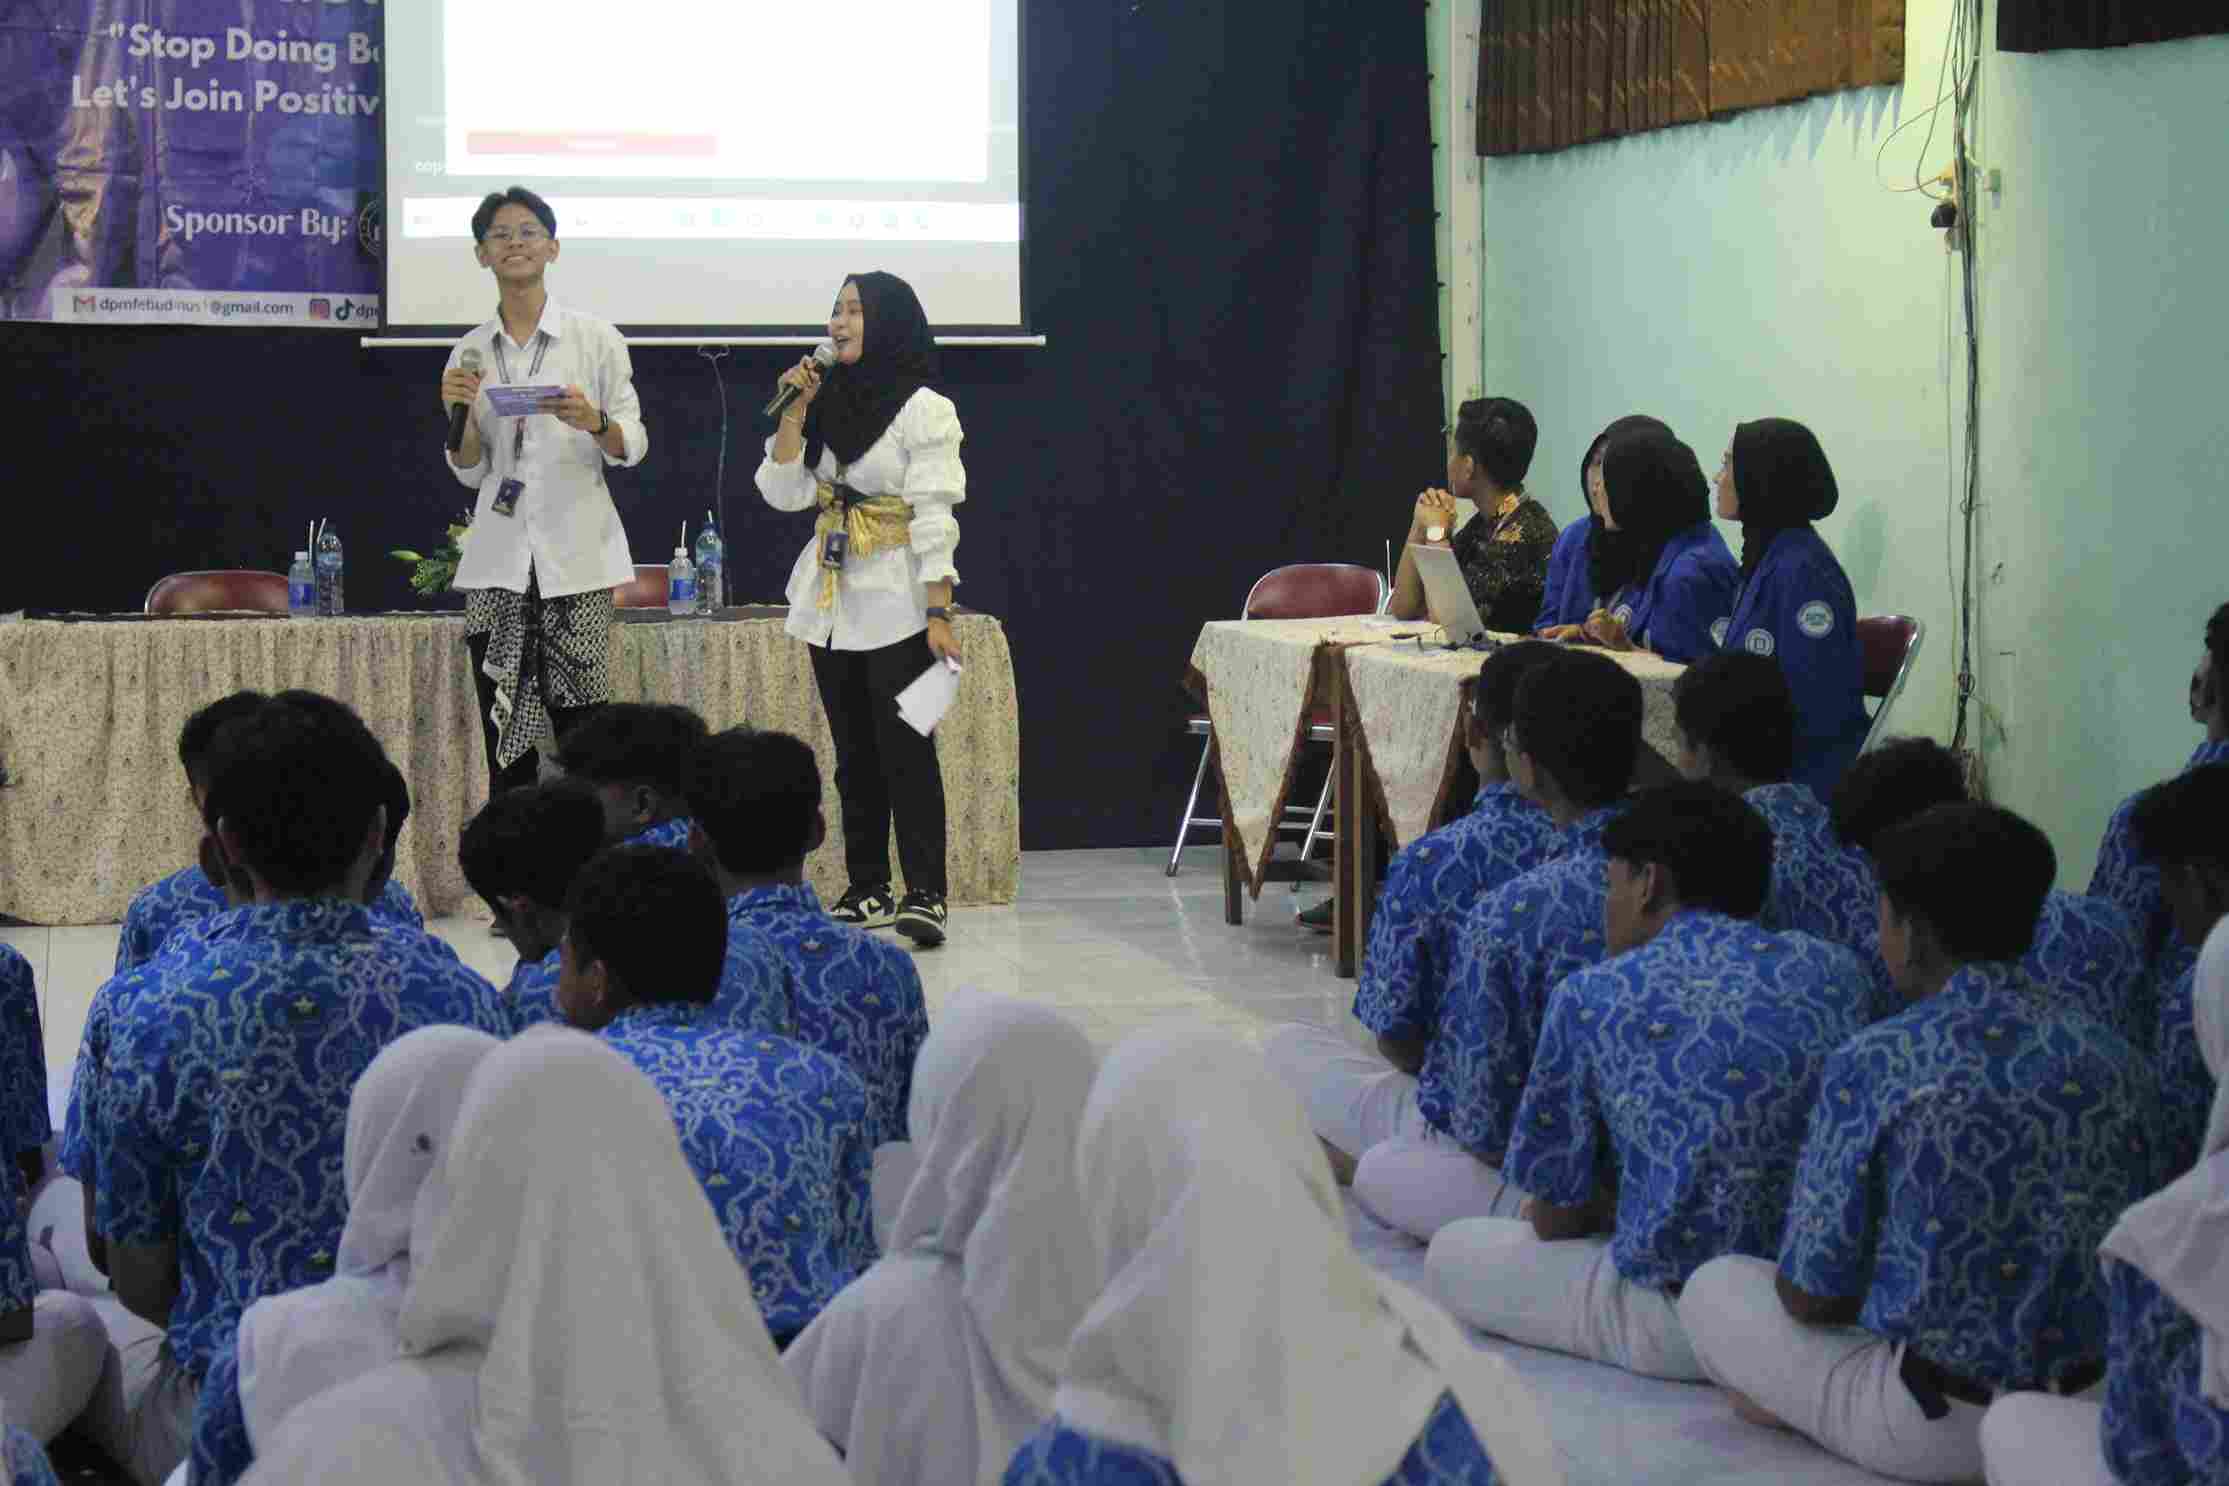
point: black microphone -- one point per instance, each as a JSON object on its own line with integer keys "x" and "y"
{"x": 458, "y": 412}
{"x": 824, "y": 357}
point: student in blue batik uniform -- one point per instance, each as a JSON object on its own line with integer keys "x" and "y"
{"x": 1571, "y": 592}
{"x": 756, "y": 800}
{"x": 230, "y": 1073}
{"x": 2177, "y": 827}
{"x": 776, "y": 1131}
{"x": 2164, "y": 1417}
{"x": 1571, "y": 748}
{"x": 1795, "y": 602}
{"x": 26, "y": 1124}
{"x": 1965, "y": 1157}
{"x": 1736, "y": 724}
{"x": 52, "y": 1344}
{"x": 1355, "y": 1098}
{"x": 1665, "y": 1112}
{"x": 2084, "y": 950}
{"x": 636, "y": 755}
{"x": 1308, "y": 1368}
{"x": 1663, "y": 571}
{"x": 2122, "y": 876}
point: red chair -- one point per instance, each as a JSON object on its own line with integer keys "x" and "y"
{"x": 646, "y": 590}
{"x": 219, "y": 591}
{"x": 1308, "y": 590}
{"x": 1888, "y": 644}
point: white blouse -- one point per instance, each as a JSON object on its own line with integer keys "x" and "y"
{"x": 880, "y": 599}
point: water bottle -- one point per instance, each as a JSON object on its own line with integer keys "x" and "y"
{"x": 301, "y": 588}
{"x": 681, "y": 584}
{"x": 329, "y": 603}
{"x": 711, "y": 571}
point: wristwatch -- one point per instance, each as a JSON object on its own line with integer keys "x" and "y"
{"x": 603, "y": 423}
{"x": 938, "y": 611}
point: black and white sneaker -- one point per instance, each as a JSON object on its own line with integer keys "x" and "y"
{"x": 921, "y": 919}
{"x": 866, "y": 907}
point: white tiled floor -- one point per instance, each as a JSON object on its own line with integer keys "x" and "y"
{"x": 1100, "y": 934}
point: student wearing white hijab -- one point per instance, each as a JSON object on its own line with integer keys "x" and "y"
{"x": 574, "y": 1316}
{"x": 1238, "y": 1337}
{"x": 295, "y": 1346}
{"x": 2164, "y": 1416}
{"x": 937, "y": 1363}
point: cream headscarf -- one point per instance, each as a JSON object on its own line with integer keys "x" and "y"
{"x": 1238, "y": 1334}
{"x": 998, "y": 1095}
{"x": 2179, "y": 1236}
{"x": 579, "y": 1255}
{"x": 295, "y": 1346}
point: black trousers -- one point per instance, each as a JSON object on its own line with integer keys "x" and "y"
{"x": 885, "y": 770}
{"x": 527, "y": 767}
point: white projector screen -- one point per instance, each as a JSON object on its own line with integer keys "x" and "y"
{"x": 716, "y": 166}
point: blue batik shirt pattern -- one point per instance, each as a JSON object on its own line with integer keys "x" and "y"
{"x": 1430, "y": 885}
{"x": 225, "y": 1097}
{"x": 27, "y": 1462}
{"x": 1691, "y": 589}
{"x": 1569, "y": 597}
{"x": 1688, "y": 1067}
{"x": 2087, "y": 951}
{"x": 187, "y": 896}
{"x": 1965, "y": 1159}
{"x": 532, "y": 993}
{"x": 755, "y": 983}
{"x": 1819, "y": 886}
{"x": 81, "y": 1144}
{"x": 25, "y": 1123}
{"x": 2124, "y": 877}
{"x": 851, "y": 995}
{"x": 1447, "y": 1453}
{"x": 776, "y": 1133}
{"x": 222, "y": 1451}
{"x": 2186, "y": 1084}
{"x": 2159, "y": 1428}
{"x": 1797, "y": 607}
{"x": 19, "y": 1284}
{"x": 673, "y": 834}
{"x": 1519, "y": 943}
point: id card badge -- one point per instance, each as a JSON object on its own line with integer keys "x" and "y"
{"x": 833, "y": 547}
{"x": 507, "y": 497}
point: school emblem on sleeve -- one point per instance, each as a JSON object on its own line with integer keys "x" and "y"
{"x": 1623, "y": 614}
{"x": 1718, "y": 632}
{"x": 1815, "y": 619}
{"x": 1758, "y": 642}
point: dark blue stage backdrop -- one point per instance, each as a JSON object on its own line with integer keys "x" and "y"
{"x": 1231, "y": 249}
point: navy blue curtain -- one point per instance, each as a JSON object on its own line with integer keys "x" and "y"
{"x": 1231, "y": 249}
{"x": 2051, "y": 25}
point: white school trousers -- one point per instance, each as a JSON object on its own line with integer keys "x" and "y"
{"x": 47, "y": 1381}
{"x": 1566, "y": 1296}
{"x": 1839, "y": 1385}
{"x": 1407, "y": 1175}
{"x": 142, "y": 1413}
{"x": 2038, "y": 1439}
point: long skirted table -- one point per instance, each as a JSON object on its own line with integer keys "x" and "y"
{"x": 1394, "y": 705}
{"x": 95, "y": 805}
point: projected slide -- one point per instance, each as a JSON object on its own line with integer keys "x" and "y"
{"x": 712, "y": 166}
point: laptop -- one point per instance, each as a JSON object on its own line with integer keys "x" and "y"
{"x": 1447, "y": 596}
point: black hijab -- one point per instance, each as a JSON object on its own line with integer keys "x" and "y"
{"x": 1656, "y": 491}
{"x": 1781, "y": 481}
{"x": 858, "y": 402}
{"x": 1605, "y": 548}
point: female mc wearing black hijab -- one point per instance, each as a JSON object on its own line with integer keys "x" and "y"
{"x": 1571, "y": 596}
{"x": 1795, "y": 603}
{"x": 877, "y": 451}
{"x": 1664, "y": 573}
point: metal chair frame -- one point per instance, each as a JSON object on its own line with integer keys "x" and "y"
{"x": 1201, "y": 727}
{"x": 1903, "y": 674}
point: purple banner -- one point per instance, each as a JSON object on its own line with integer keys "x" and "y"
{"x": 203, "y": 162}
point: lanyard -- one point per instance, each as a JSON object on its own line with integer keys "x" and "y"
{"x": 503, "y": 365}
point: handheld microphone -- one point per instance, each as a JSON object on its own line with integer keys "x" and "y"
{"x": 824, "y": 357}
{"x": 458, "y": 412}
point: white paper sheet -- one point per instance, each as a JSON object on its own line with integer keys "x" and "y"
{"x": 924, "y": 703}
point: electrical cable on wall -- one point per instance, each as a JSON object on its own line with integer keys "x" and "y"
{"x": 1965, "y": 63}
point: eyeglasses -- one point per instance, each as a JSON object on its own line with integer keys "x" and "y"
{"x": 525, "y": 236}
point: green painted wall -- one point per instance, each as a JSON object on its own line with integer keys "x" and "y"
{"x": 1757, "y": 266}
